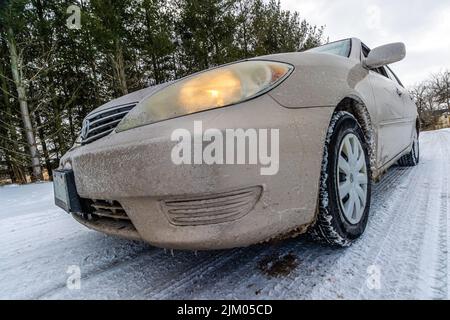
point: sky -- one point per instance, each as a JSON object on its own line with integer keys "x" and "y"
{"x": 423, "y": 25}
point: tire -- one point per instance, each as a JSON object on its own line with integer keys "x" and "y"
{"x": 341, "y": 221}
{"x": 412, "y": 159}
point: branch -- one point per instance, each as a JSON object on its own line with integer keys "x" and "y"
{"x": 7, "y": 92}
{"x": 10, "y": 140}
{"x": 8, "y": 124}
{"x": 7, "y": 78}
{"x": 16, "y": 152}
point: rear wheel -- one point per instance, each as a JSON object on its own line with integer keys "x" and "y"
{"x": 345, "y": 184}
{"x": 412, "y": 159}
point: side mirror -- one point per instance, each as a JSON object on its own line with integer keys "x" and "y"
{"x": 385, "y": 55}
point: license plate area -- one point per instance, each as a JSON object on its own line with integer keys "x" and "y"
{"x": 66, "y": 196}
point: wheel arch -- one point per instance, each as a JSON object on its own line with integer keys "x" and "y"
{"x": 356, "y": 107}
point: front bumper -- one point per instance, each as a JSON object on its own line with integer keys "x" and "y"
{"x": 135, "y": 169}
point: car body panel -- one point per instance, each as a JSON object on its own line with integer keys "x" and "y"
{"x": 390, "y": 118}
{"x": 140, "y": 174}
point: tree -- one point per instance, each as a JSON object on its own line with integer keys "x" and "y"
{"x": 275, "y": 30}
{"x": 432, "y": 97}
{"x": 52, "y": 76}
{"x": 11, "y": 157}
{"x": 423, "y": 98}
{"x": 440, "y": 84}
{"x": 12, "y": 19}
{"x": 155, "y": 39}
{"x": 112, "y": 21}
{"x": 205, "y": 29}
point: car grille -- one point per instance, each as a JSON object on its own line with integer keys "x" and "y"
{"x": 100, "y": 124}
{"x": 109, "y": 209}
{"x": 212, "y": 209}
{"x": 109, "y": 217}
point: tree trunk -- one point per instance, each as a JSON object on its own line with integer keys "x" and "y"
{"x": 73, "y": 136}
{"x": 41, "y": 134}
{"x": 119, "y": 68}
{"x": 151, "y": 41}
{"x": 11, "y": 134}
{"x": 16, "y": 69}
{"x": 10, "y": 169}
{"x": 245, "y": 13}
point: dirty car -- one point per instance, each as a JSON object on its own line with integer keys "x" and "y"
{"x": 343, "y": 117}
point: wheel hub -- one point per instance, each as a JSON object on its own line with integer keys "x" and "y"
{"x": 353, "y": 178}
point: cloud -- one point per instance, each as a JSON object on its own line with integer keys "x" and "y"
{"x": 424, "y": 26}
{"x": 373, "y": 19}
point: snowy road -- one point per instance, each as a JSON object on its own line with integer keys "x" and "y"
{"x": 403, "y": 254}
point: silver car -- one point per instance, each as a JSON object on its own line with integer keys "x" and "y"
{"x": 343, "y": 118}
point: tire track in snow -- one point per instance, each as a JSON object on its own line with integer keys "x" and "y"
{"x": 351, "y": 270}
{"x": 428, "y": 248}
{"x": 91, "y": 273}
{"x": 441, "y": 278}
{"x": 152, "y": 276}
{"x": 441, "y": 284}
{"x": 391, "y": 199}
{"x": 416, "y": 271}
{"x": 228, "y": 281}
{"x": 148, "y": 273}
{"x": 399, "y": 256}
{"x": 406, "y": 237}
{"x": 188, "y": 277}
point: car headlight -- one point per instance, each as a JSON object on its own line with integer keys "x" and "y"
{"x": 220, "y": 87}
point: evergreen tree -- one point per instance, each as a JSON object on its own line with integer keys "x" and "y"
{"x": 52, "y": 76}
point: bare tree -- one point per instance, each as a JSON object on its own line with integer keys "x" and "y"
{"x": 440, "y": 84}
{"x": 432, "y": 98}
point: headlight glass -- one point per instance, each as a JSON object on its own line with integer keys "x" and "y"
{"x": 211, "y": 89}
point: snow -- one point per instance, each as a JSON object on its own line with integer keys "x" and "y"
{"x": 403, "y": 254}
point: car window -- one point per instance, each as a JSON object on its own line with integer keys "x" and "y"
{"x": 392, "y": 75}
{"x": 382, "y": 71}
{"x": 365, "y": 52}
{"x": 339, "y": 48}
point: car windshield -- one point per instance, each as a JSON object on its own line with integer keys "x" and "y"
{"x": 339, "y": 48}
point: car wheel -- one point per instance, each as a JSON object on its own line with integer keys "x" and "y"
{"x": 345, "y": 185}
{"x": 413, "y": 157}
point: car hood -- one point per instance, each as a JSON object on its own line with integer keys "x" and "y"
{"x": 130, "y": 98}
{"x": 294, "y": 58}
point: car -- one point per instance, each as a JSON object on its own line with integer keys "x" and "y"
{"x": 339, "y": 118}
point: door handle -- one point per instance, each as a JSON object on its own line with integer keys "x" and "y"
{"x": 399, "y": 92}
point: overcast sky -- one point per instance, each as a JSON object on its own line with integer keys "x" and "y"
{"x": 423, "y": 25}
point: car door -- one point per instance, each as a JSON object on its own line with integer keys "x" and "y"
{"x": 393, "y": 135}
{"x": 409, "y": 108}
{"x": 390, "y": 117}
